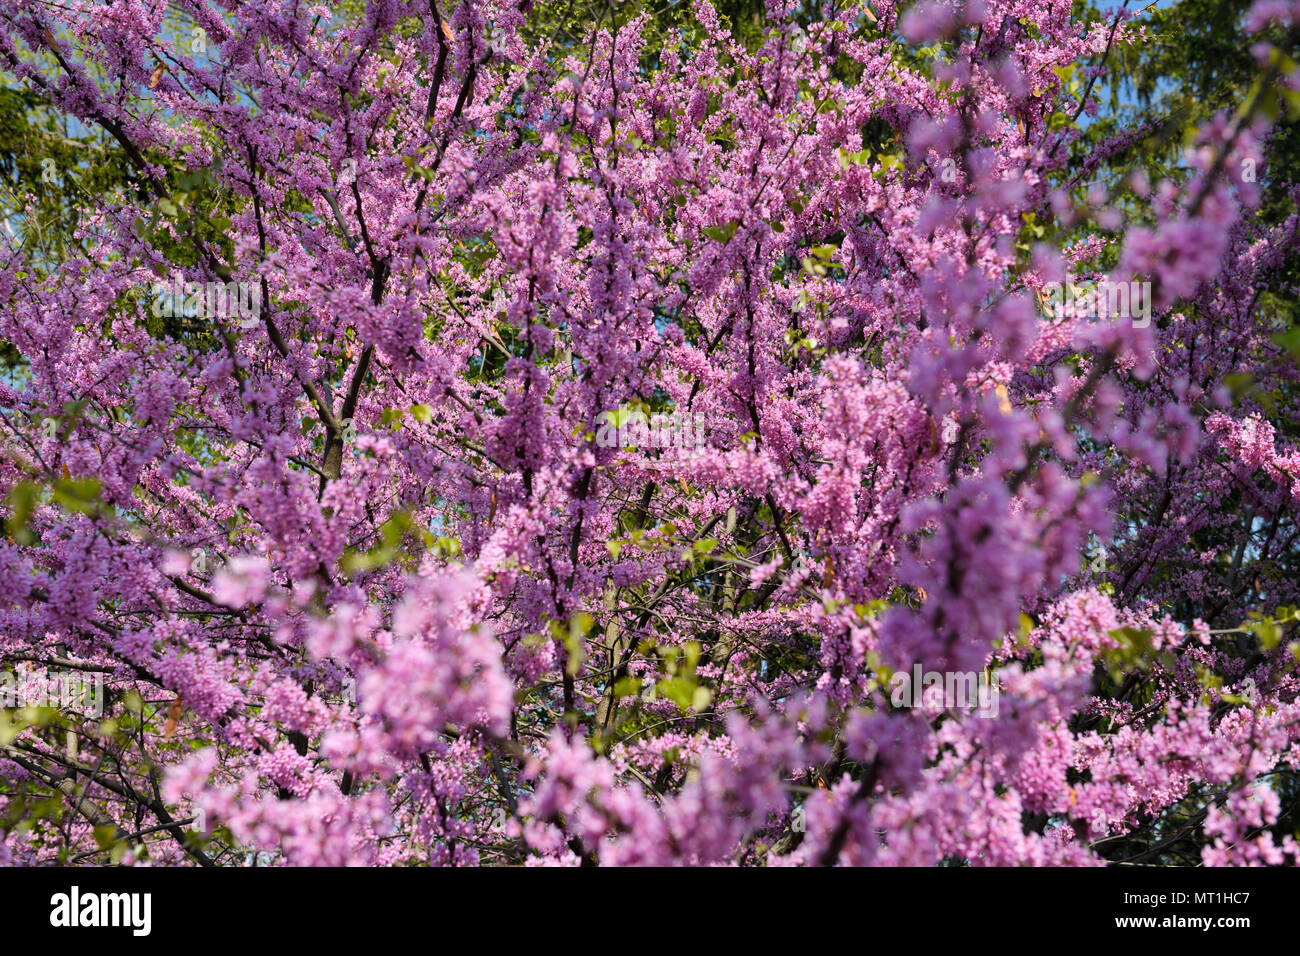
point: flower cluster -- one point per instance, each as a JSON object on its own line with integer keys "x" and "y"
{"x": 360, "y": 574}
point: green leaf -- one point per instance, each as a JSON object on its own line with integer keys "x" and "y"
{"x": 105, "y": 837}
{"x": 1131, "y": 654}
{"x": 628, "y": 687}
{"x": 679, "y": 690}
{"x": 1065, "y": 72}
{"x": 77, "y": 494}
{"x": 579, "y": 625}
{"x": 1290, "y": 340}
{"x": 1266, "y": 630}
{"x": 21, "y": 502}
{"x": 721, "y": 233}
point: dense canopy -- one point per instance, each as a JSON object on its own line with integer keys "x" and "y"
{"x": 479, "y": 432}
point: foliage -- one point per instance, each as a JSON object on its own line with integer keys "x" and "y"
{"x": 557, "y": 433}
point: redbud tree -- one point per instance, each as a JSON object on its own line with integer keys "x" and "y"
{"x": 478, "y": 432}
